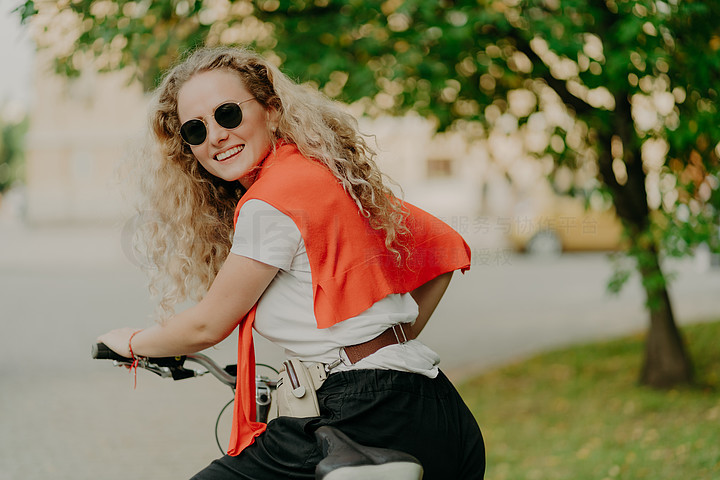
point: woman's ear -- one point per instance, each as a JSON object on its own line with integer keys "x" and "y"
{"x": 273, "y": 116}
{"x": 273, "y": 119}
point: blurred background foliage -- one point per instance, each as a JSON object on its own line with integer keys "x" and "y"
{"x": 12, "y": 151}
{"x": 624, "y": 91}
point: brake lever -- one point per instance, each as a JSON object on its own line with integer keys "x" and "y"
{"x": 176, "y": 372}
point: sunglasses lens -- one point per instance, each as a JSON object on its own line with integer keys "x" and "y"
{"x": 193, "y": 132}
{"x": 228, "y": 115}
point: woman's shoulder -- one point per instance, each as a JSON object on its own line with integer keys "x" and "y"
{"x": 289, "y": 165}
{"x": 291, "y": 182}
{"x": 289, "y": 174}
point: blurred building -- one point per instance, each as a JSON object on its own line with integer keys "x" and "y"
{"x": 438, "y": 172}
{"x": 80, "y": 132}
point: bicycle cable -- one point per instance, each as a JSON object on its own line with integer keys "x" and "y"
{"x": 217, "y": 425}
{"x": 267, "y": 366}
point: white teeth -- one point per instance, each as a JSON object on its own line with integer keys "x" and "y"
{"x": 229, "y": 153}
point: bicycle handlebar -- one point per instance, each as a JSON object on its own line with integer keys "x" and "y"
{"x": 169, "y": 366}
{"x": 100, "y": 351}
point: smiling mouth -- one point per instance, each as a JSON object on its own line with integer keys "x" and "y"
{"x": 229, "y": 153}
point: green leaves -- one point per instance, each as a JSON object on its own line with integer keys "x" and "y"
{"x": 12, "y": 152}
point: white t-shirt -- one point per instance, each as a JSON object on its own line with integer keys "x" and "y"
{"x": 285, "y": 311}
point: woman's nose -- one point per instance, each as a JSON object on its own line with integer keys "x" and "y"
{"x": 216, "y": 133}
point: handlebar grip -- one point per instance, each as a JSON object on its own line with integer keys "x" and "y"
{"x": 100, "y": 351}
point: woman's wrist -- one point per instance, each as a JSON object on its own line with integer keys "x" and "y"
{"x": 118, "y": 341}
{"x": 130, "y": 346}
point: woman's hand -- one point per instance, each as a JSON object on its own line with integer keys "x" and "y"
{"x": 118, "y": 340}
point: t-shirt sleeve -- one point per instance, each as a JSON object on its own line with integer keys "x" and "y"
{"x": 265, "y": 234}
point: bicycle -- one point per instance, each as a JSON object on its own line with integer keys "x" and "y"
{"x": 343, "y": 459}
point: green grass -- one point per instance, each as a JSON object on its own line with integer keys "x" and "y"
{"x": 580, "y": 414}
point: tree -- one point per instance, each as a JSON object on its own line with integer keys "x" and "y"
{"x": 634, "y": 76}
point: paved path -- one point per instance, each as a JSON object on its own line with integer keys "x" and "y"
{"x": 63, "y": 416}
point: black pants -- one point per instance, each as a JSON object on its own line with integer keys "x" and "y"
{"x": 379, "y": 408}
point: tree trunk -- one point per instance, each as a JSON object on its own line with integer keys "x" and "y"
{"x": 666, "y": 363}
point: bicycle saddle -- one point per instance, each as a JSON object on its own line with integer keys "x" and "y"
{"x": 348, "y": 460}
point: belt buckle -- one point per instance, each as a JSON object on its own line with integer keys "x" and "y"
{"x": 395, "y": 329}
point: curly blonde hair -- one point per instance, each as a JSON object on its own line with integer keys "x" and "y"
{"x": 191, "y": 233}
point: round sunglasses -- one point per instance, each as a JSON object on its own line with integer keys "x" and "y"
{"x": 228, "y": 115}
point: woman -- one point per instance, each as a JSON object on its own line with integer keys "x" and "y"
{"x": 282, "y": 223}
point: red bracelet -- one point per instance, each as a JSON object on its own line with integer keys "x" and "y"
{"x": 132, "y": 354}
{"x": 135, "y": 359}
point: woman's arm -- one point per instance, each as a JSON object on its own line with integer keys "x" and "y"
{"x": 236, "y": 288}
{"x": 427, "y": 296}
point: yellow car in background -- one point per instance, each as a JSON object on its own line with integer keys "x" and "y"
{"x": 563, "y": 224}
